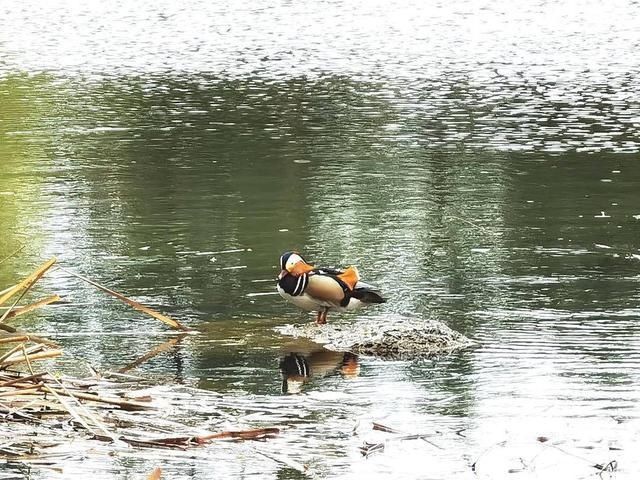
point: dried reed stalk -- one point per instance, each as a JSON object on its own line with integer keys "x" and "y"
{"x": 138, "y": 306}
{"x": 33, "y": 306}
{"x": 15, "y": 252}
{"x": 53, "y": 353}
{"x": 28, "y": 282}
{"x": 124, "y": 404}
{"x": 33, "y": 338}
{"x": 19, "y": 338}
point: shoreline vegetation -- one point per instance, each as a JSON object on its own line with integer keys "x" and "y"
{"x": 44, "y": 412}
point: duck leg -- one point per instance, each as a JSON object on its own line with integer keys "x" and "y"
{"x": 322, "y": 316}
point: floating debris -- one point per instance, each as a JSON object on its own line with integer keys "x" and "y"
{"x": 138, "y": 306}
{"x": 47, "y": 419}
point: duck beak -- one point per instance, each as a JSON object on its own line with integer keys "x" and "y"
{"x": 282, "y": 274}
{"x": 301, "y": 268}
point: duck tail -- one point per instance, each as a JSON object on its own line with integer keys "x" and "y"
{"x": 367, "y": 294}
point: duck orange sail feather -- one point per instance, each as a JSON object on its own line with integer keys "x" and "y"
{"x": 350, "y": 276}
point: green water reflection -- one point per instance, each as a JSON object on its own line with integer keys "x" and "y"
{"x": 183, "y": 191}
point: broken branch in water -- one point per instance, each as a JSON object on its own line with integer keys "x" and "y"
{"x": 23, "y": 357}
{"x": 124, "y": 404}
{"x": 18, "y": 338}
{"x": 168, "y": 345}
{"x": 32, "y": 306}
{"x": 28, "y": 282}
{"x": 138, "y": 306}
{"x": 253, "y": 434}
{"x": 33, "y": 338}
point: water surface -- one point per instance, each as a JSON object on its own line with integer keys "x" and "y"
{"x": 477, "y": 161}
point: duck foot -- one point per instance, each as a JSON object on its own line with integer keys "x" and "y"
{"x": 321, "y": 319}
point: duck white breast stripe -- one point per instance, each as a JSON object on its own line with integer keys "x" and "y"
{"x": 302, "y": 367}
{"x": 302, "y": 283}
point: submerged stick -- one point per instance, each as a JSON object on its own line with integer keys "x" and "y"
{"x": 32, "y": 306}
{"x": 18, "y": 250}
{"x": 253, "y": 434}
{"x": 138, "y": 306}
{"x": 241, "y": 434}
{"x": 168, "y": 345}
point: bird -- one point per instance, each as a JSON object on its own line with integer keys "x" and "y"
{"x": 298, "y": 367}
{"x": 323, "y": 289}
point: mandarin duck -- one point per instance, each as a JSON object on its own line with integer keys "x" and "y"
{"x": 323, "y": 289}
{"x": 298, "y": 368}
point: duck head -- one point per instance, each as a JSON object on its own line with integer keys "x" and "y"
{"x": 292, "y": 263}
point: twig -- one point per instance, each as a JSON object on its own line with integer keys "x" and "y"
{"x": 156, "y": 351}
{"x": 612, "y": 464}
{"x": 19, "y": 338}
{"x": 480, "y": 227}
{"x": 11, "y": 352}
{"x": 24, "y": 352}
{"x": 124, "y": 404}
{"x": 32, "y": 306}
{"x": 383, "y": 428}
{"x": 136, "y": 442}
{"x": 33, "y": 338}
{"x": 36, "y": 376}
{"x": 138, "y": 306}
{"x": 85, "y": 410}
{"x": 22, "y": 391}
{"x": 254, "y": 434}
{"x": 474, "y": 465}
{"x": 26, "y": 284}
{"x": 35, "y": 356}
{"x": 283, "y": 460}
{"x": 22, "y": 247}
{"x": 71, "y": 410}
{"x": 404, "y": 435}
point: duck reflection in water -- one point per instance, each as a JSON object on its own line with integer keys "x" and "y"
{"x": 297, "y": 367}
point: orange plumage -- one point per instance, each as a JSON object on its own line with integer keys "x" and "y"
{"x": 350, "y": 276}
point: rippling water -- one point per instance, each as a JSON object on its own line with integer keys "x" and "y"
{"x": 478, "y": 161}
